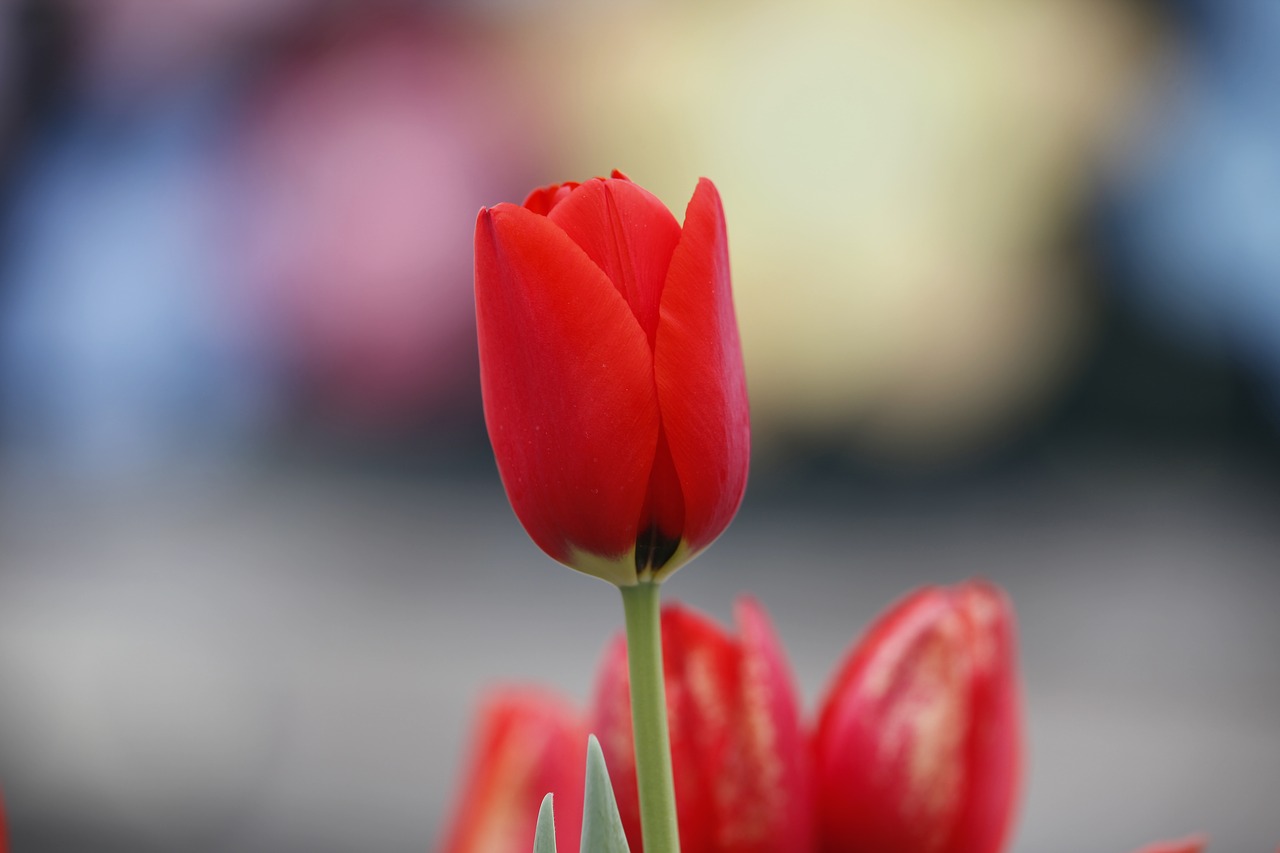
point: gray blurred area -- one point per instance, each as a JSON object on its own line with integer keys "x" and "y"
{"x": 289, "y": 663}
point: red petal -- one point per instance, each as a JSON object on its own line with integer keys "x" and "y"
{"x": 736, "y": 746}
{"x": 543, "y": 199}
{"x": 994, "y": 747}
{"x": 701, "y": 666}
{"x": 774, "y": 736}
{"x": 702, "y": 387}
{"x": 918, "y": 747}
{"x": 630, "y": 235}
{"x": 689, "y": 641}
{"x": 526, "y": 743}
{"x": 567, "y": 383}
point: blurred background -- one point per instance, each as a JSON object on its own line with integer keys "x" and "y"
{"x": 1008, "y": 277}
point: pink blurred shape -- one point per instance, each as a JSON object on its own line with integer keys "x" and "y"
{"x": 366, "y": 153}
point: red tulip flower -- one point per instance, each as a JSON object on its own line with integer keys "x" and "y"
{"x": 918, "y": 747}
{"x": 612, "y": 374}
{"x": 741, "y": 768}
{"x": 527, "y": 744}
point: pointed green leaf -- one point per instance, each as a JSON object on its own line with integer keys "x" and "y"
{"x": 601, "y": 825}
{"x": 544, "y": 837}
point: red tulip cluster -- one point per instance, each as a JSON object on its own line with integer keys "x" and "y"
{"x": 917, "y": 746}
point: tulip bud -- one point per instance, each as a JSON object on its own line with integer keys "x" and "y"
{"x": 741, "y": 770}
{"x": 1192, "y": 844}
{"x": 527, "y": 744}
{"x": 612, "y": 374}
{"x": 918, "y": 747}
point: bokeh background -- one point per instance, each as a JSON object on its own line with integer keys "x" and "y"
{"x": 1008, "y": 276}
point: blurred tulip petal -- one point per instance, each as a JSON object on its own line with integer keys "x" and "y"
{"x": 740, "y": 769}
{"x": 918, "y": 746}
{"x": 527, "y": 744}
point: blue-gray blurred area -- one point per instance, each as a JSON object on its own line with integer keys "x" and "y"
{"x": 1008, "y": 275}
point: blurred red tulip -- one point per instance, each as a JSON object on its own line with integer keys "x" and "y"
{"x": 527, "y": 743}
{"x": 741, "y": 769}
{"x": 1192, "y": 844}
{"x": 612, "y": 373}
{"x": 918, "y": 748}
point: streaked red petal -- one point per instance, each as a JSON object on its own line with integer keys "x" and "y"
{"x": 994, "y": 746}
{"x": 867, "y": 736}
{"x": 689, "y": 641}
{"x": 741, "y": 776}
{"x": 918, "y": 746}
{"x": 702, "y": 388}
{"x": 567, "y": 381}
{"x": 702, "y": 677}
{"x": 630, "y": 235}
{"x": 772, "y": 731}
{"x": 527, "y": 743}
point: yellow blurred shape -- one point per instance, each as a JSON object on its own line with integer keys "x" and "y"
{"x": 895, "y": 176}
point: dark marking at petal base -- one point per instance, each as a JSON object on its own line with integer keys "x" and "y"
{"x": 654, "y": 549}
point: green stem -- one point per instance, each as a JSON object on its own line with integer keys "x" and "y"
{"x": 649, "y": 719}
